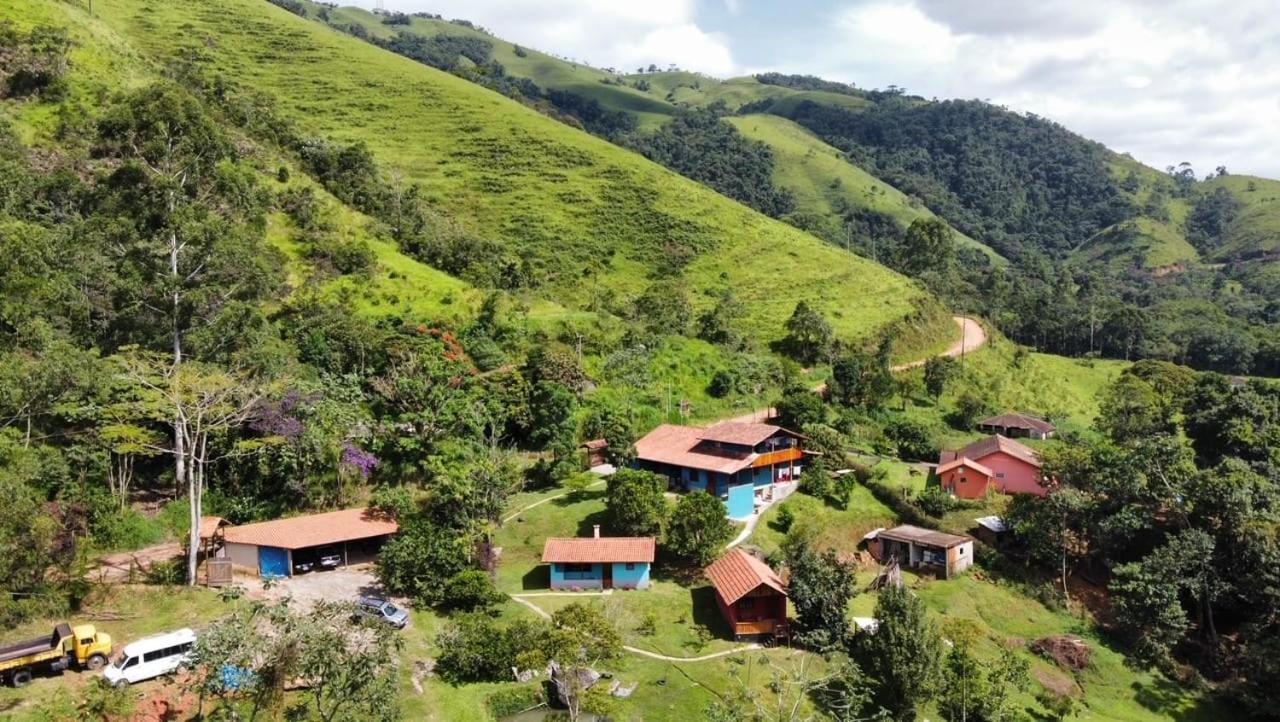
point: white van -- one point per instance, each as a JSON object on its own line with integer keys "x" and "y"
{"x": 151, "y": 657}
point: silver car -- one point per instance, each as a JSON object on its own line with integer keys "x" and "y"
{"x": 381, "y": 610}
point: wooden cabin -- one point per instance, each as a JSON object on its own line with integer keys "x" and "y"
{"x": 751, "y": 596}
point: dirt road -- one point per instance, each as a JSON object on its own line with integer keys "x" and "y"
{"x": 972, "y": 337}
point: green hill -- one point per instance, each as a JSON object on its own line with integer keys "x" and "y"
{"x": 1141, "y": 243}
{"x": 825, "y": 183}
{"x": 587, "y": 217}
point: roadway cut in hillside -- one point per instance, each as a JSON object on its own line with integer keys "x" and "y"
{"x": 972, "y": 337}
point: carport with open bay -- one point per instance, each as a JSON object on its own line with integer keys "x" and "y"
{"x": 283, "y": 547}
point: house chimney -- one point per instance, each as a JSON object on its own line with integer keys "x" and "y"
{"x": 595, "y": 531}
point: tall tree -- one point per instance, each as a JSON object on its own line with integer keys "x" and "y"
{"x": 200, "y": 403}
{"x": 698, "y": 529}
{"x": 904, "y": 654}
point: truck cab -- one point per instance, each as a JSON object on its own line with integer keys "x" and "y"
{"x": 89, "y": 647}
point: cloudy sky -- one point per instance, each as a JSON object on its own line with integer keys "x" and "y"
{"x": 1165, "y": 80}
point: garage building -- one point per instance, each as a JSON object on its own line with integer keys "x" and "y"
{"x": 272, "y": 548}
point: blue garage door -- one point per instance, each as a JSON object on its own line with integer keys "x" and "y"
{"x": 273, "y": 562}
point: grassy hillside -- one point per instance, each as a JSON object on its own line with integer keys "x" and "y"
{"x": 1255, "y": 231}
{"x": 825, "y": 182}
{"x": 589, "y": 218}
{"x": 654, "y": 98}
{"x": 1138, "y": 243}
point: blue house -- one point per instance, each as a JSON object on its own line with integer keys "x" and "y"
{"x": 736, "y": 461}
{"x": 599, "y": 563}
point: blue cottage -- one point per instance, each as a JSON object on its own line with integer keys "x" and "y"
{"x": 735, "y": 461}
{"x": 599, "y": 563}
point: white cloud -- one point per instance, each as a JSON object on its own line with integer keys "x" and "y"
{"x": 624, "y": 35}
{"x": 1167, "y": 81}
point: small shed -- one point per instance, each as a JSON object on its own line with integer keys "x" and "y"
{"x": 597, "y": 562}
{"x": 946, "y": 555}
{"x": 1014, "y": 425}
{"x": 274, "y": 548}
{"x": 991, "y": 530}
{"x": 751, "y": 596}
{"x": 597, "y": 451}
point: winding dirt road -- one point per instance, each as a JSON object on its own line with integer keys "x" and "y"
{"x": 972, "y": 337}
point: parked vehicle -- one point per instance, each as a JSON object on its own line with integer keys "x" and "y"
{"x": 303, "y": 564}
{"x": 381, "y": 610}
{"x": 82, "y": 646}
{"x": 330, "y": 558}
{"x": 151, "y": 657}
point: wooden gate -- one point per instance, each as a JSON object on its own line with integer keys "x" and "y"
{"x": 218, "y": 572}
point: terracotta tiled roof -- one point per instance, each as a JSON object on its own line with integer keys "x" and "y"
{"x": 920, "y": 535}
{"x": 210, "y": 524}
{"x": 332, "y": 527}
{"x": 744, "y": 433}
{"x": 596, "y": 444}
{"x": 671, "y": 444}
{"x": 735, "y": 574}
{"x": 954, "y": 463}
{"x": 603, "y": 549}
{"x": 992, "y": 444}
{"x": 1014, "y": 420}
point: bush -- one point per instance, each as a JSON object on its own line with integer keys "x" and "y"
{"x": 723, "y": 383}
{"x": 785, "y": 519}
{"x": 510, "y": 701}
{"x": 470, "y": 591}
{"x": 934, "y": 501}
{"x": 167, "y": 572}
{"x": 912, "y": 439}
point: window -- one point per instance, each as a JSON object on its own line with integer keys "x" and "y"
{"x": 133, "y": 662}
{"x": 630, "y": 566}
{"x": 746, "y": 604}
{"x": 87, "y": 641}
{"x": 999, "y": 474}
{"x": 577, "y": 571}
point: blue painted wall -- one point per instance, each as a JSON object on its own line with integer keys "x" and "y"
{"x": 696, "y": 480}
{"x": 273, "y": 562}
{"x": 742, "y": 501}
{"x": 763, "y": 475}
{"x": 637, "y": 578}
{"x": 584, "y": 580}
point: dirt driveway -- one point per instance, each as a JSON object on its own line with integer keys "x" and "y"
{"x": 339, "y": 585}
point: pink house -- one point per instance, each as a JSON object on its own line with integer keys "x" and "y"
{"x": 991, "y": 464}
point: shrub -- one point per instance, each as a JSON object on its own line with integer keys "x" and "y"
{"x": 167, "y": 572}
{"x": 785, "y": 519}
{"x": 934, "y": 501}
{"x": 912, "y": 439}
{"x": 723, "y": 383}
{"x": 510, "y": 701}
{"x": 470, "y": 591}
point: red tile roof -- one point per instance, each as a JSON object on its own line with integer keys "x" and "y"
{"x": 210, "y": 524}
{"x": 1014, "y": 420}
{"x": 986, "y": 447}
{"x": 948, "y": 466}
{"x": 671, "y": 444}
{"x": 596, "y": 444}
{"x": 735, "y": 574}
{"x": 598, "y": 549}
{"x": 299, "y": 532}
{"x": 743, "y": 433}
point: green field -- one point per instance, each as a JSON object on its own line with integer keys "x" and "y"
{"x": 1138, "y": 243}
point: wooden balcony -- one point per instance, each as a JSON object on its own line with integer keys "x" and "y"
{"x": 764, "y": 626}
{"x": 781, "y": 456}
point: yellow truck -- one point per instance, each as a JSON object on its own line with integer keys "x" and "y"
{"x": 82, "y": 646}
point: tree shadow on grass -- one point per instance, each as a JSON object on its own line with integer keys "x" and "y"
{"x": 1167, "y": 697}
{"x": 588, "y": 523}
{"x": 538, "y": 577}
{"x": 706, "y": 611}
{"x": 578, "y": 497}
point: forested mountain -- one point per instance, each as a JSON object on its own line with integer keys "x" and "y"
{"x": 1107, "y": 254}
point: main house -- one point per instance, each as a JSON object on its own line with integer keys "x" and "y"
{"x": 751, "y": 596}
{"x": 736, "y": 461}
{"x": 597, "y": 562}
{"x": 995, "y": 463}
